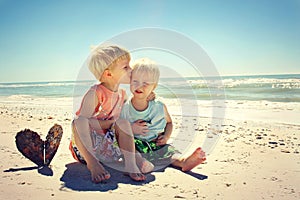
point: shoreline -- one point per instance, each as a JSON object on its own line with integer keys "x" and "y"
{"x": 277, "y": 112}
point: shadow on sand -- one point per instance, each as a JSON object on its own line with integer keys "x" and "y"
{"x": 44, "y": 170}
{"x": 77, "y": 177}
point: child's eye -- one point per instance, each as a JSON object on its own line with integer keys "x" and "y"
{"x": 126, "y": 68}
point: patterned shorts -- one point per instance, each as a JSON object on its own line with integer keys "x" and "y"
{"x": 105, "y": 148}
{"x": 158, "y": 155}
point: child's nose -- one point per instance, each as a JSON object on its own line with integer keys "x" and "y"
{"x": 130, "y": 72}
{"x": 139, "y": 84}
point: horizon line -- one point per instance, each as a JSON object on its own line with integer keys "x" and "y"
{"x": 225, "y": 75}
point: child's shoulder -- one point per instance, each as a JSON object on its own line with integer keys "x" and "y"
{"x": 158, "y": 102}
{"x": 96, "y": 86}
{"x": 101, "y": 88}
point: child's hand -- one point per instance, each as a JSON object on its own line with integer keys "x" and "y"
{"x": 140, "y": 127}
{"x": 151, "y": 96}
{"x": 161, "y": 140}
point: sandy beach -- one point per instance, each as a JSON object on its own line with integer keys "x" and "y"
{"x": 256, "y": 156}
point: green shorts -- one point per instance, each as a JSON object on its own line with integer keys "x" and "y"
{"x": 158, "y": 155}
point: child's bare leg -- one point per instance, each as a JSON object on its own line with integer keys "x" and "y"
{"x": 84, "y": 144}
{"x": 187, "y": 164}
{"x": 144, "y": 165}
{"x": 126, "y": 143}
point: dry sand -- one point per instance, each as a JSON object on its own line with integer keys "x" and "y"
{"x": 256, "y": 157}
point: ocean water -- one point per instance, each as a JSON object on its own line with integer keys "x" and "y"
{"x": 275, "y": 88}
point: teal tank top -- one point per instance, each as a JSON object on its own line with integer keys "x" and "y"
{"x": 154, "y": 115}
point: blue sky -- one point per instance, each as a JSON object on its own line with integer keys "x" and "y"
{"x": 49, "y": 40}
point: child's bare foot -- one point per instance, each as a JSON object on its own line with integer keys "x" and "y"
{"x": 98, "y": 173}
{"x": 135, "y": 174}
{"x": 197, "y": 157}
{"x": 145, "y": 166}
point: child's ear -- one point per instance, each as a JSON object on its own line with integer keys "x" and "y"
{"x": 107, "y": 73}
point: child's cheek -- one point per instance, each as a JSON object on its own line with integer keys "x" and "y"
{"x": 125, "y": 79}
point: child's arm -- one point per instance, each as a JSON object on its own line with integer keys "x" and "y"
{"x": 139, "y": 127}
{"x": 151, "y": 96}
{"x": 89, "y": 104}
{"x": 162, "y": 139}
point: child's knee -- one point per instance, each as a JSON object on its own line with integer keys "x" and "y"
{"x": 122, "y": 122}
{"x": 79, "y": 121}
{"x": 73, "y": 125}
{"x": 123, "y": 126}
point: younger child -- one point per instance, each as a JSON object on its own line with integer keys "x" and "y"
{"x": 94, "y": 138}
{"x": 153, "y": 124}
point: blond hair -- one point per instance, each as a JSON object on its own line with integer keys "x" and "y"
{"x": 145, "y": 65}
{"x": 102, "y": 57}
